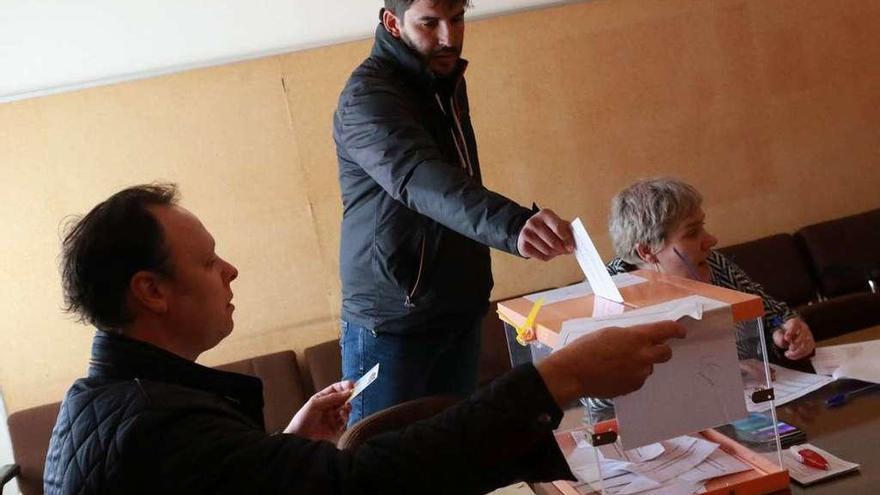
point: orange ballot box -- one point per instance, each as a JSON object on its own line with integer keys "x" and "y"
{"x": 704, "y": 422}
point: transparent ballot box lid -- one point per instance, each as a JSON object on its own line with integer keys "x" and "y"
{"x": 704, "y": 422}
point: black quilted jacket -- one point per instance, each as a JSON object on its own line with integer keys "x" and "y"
{"x": 147, "y": 421}
{"x": 416, "y": 219}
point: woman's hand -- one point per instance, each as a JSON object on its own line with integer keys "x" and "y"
{"x": 795, "y": 336}
{"x": 325, "y": 414}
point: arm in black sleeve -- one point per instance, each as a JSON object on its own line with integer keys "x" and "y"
{"x": 500, "y": 435}
{"x": 379, "y": 132}
{"x": 504, "y": 433}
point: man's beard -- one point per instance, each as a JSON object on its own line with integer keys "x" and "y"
{"x": 427, "y": 58}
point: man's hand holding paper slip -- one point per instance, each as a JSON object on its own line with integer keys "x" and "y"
{"x": 545, "y": 236}
{"x": 324, "y": 415}
{"x": 608, "y": 362}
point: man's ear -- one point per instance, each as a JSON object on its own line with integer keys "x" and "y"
{"x": 146, "y": 291}
{"x": 645, "y": 253}
{"x": 391, "y": 22}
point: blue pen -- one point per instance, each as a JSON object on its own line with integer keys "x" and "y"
{"x": 841, "y": 399}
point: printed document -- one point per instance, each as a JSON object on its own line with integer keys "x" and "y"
{"x": 788, "y": 385}
{"x": 858, "y": 361}
{"x": 679, "y": 465}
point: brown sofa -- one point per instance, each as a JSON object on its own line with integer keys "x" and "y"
{"x": 283, "y": 393}
{"x": 824, "y": 271}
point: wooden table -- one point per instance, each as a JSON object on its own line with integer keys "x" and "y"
{"x": 851, "y": 432}
{"x": 657, "y": 288}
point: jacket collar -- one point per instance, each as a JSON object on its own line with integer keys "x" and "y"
{"x": 411, "y": 65}
{"x": 119, "y": 357}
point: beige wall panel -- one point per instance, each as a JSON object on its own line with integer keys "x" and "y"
{"x": 224, "y": 135}
{"x": 313, "y": 81}
{"x": 770, "y": 107}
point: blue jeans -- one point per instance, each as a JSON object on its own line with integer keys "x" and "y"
{"x": 437, "y": 361}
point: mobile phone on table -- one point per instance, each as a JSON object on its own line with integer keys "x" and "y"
{"x": 758, "y": 428}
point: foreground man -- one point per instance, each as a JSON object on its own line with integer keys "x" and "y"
{"x": 148, "y": 419}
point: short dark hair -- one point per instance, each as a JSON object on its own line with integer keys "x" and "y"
{"x": 399, "y": 7}
{"x": 102, "y": 251}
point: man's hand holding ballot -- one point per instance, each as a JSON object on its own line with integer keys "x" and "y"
{"x": 608, "y": 362}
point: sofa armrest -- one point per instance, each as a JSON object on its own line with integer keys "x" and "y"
{"x": 7, "y": 472}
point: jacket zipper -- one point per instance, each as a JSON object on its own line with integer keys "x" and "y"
{"x": 407, "y": 302}
{"x": 463, "y": 158}
{"x": 467, "y": 155}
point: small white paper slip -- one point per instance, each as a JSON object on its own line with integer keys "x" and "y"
{"x": 364, "y": 382}
{"x": 807, "y": 475}
{"x": 590, "y": 262}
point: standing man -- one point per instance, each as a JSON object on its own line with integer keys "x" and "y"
{"x": 417, "y": 222}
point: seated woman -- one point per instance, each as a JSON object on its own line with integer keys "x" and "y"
{"x": 659, "y": 224}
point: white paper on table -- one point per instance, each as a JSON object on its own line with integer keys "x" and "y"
{"x": 678, "y": 465}
{"x": 671, "y": 310}
{"x": 682, "y": 454}
{"x": 859, "y": 361}
{"x": 864, "y": 371}
{"x": 615, "y": 452}
{"x": 806, "y": 475}
{"x": 588, "y": 258}
{"x": 788, "y": 386}
{"x": 582, "y": 289}
{"x": 639, "y": 485}
{"x": 700, "y": 387}
{"x": 590, "y": 477}
{"x": 583, "y": 464}
{"x": 719, "y": 463}
{"x": 664, "y": 474}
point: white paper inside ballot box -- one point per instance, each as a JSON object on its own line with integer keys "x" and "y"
{"x": 700, "y": 387}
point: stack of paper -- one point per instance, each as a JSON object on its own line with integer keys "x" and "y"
{"x": 788, "y": 385}
{"x": 857, "y": 361}
{"x": 679, "y": 465}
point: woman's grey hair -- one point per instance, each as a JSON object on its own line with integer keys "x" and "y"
{"x": 645, "y": 213}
